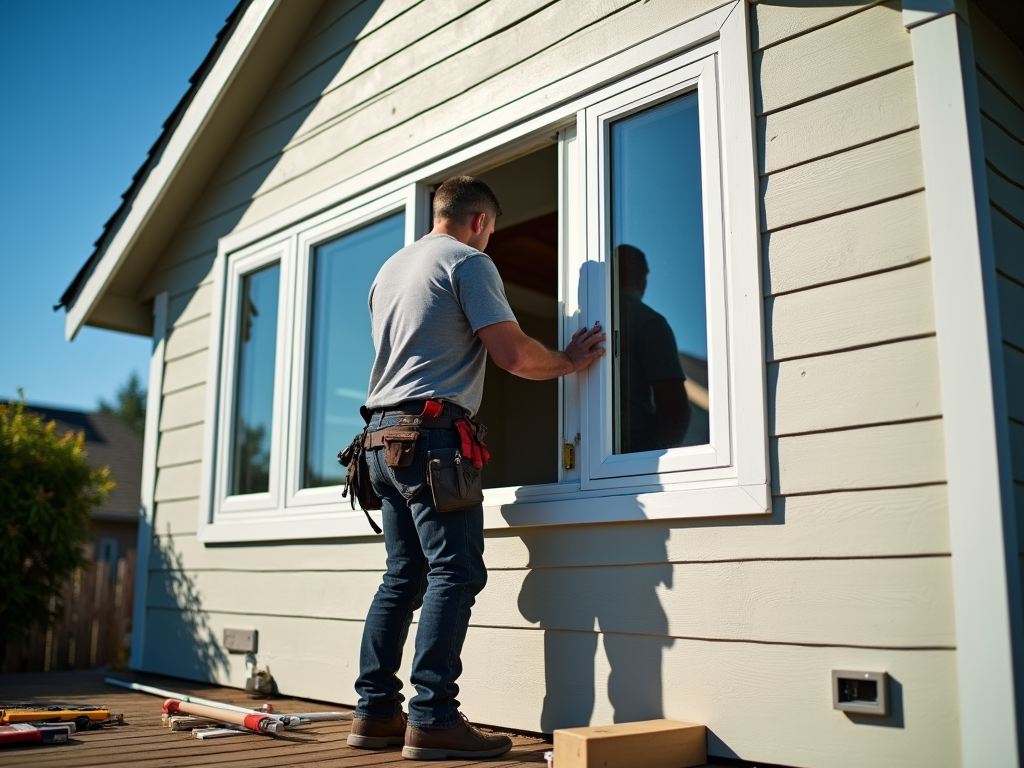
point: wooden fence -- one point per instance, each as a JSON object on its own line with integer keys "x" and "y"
{"x": 94, "y": 628}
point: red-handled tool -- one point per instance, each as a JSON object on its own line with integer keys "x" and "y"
{"x": 472, "y": 447}
{"x": 24, "y": 733}
{"x": 259, "y": 723}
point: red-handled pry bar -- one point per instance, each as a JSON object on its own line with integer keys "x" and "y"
{"x": 259, "y": 723}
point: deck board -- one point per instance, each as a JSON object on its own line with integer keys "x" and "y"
{"x": 144, "y": 743}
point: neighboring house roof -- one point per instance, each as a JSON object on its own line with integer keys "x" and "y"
{"x": 108, "y": 291}
{"x": 108, "y": 443}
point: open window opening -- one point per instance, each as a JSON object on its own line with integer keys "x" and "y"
{"x": 522, "y": 416}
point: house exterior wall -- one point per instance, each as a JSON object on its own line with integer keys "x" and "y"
{"x": 1001, "y": 98}
{"x": 735, "y": 623}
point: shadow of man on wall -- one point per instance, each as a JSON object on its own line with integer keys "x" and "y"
{"x": 580, "y": 596}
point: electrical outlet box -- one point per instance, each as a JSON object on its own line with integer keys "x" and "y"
{"x": 240, "y": 640}
{"x": 865, "y": 693}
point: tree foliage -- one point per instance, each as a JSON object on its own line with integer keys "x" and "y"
{"x": 130, "y": 406}
{"x": 47, "y": 490}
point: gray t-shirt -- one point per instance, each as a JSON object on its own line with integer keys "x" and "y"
{"x": 426, "y": 305}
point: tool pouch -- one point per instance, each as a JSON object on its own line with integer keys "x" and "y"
{"x": 454, "y": 482}
{"x": 400, "y": 447}
{"x": 357, "y": 479}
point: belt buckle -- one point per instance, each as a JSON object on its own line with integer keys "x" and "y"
{"x": 404, "y": 421}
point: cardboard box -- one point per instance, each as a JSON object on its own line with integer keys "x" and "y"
{"x": 646, "y": 744}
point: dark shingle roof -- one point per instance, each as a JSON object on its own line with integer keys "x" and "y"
{"x": 152, "y": 158}
{"x": 108, "y": 443}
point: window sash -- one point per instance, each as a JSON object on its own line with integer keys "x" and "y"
{"x": 324, "y": 500}
{"x": 675, "y": 465}
{"x": 244, "y": 264}
{"x": 258, "y": 326}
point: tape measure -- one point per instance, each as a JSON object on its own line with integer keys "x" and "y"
{"x": 83, "y": 716}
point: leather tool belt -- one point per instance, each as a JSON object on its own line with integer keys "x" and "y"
{"x": 406, "y": 424}
{"x": 453, "y": 475}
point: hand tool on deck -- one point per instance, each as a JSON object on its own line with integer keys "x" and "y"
{"x": 254, "y": 721}
{"x": 43, "y": 733}
{"x": 82, "y": 715}
{"x": 218, "y": 733}
{"x": 187, "y": 722}
{"x": 288, "y": 720}
{"x": 316, "y": 717}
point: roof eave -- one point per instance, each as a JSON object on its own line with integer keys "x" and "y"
{"x": 172, "y": 168}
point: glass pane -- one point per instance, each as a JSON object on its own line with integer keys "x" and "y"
{"x": 341, "y": 345}
{"x": 660, "y": 344}
{"x": 251, "y": 426}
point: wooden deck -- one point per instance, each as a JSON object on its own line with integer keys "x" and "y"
{"x": 144, "y": 743}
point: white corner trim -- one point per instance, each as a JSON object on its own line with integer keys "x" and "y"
{"x": 963, "y": 270}
{"x": 181, "y": 142}
{"x": 917, "y": 12}
{"x": 147, "y": 511}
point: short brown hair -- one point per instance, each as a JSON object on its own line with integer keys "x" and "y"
{"x": 461, "y": 197}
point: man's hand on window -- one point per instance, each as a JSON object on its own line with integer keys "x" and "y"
{"x": 582, "y": 349}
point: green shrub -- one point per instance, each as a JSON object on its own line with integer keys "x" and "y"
{"x": 46, "y": 493}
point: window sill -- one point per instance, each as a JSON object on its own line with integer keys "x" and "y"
{"x": 570, "y": 507}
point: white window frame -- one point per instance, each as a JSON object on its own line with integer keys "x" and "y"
{"x": 244, "y": 263}
{"x": 321, "y": 501}
{"x": 286, "y": 511}
{"x": 729, "y": 477}
{"x": 661, "y": 466}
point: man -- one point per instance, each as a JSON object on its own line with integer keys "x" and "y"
{"x": 438, "y": 308}
{"x": 654, "y": 410}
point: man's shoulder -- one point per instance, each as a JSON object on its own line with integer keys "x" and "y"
{"x": 431, "y": 252}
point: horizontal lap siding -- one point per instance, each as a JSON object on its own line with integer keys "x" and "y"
{"x": 1001, "y": 99}
{"x": 767, "y": 699}
{"x": 856, "y": 551}
{"x": 487, "y": 55}
{"x": 878, "y": 523}
{"x": 829, "y": 58}
{"x": 871, "y": 385}
{"x": 182, "y": 409}
{"x": 867, "y": 310}
{"x": 897, "y": 602}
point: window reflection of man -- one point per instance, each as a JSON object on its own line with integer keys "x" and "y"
{"x": 654, "y": 411}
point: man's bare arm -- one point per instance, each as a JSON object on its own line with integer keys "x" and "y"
{"x": 524, "y": 356}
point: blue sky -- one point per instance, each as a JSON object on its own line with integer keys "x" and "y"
{"x": 85, "y": 86}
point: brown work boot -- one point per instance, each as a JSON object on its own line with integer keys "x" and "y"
{"x": 461, "y": 741}
{"x": 377, "y": 734}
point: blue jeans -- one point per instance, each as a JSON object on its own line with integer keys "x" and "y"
{"x": 434, "y": 560}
